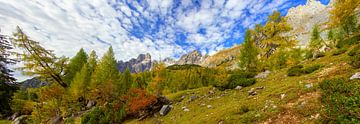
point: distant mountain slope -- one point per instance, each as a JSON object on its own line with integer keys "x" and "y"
{"x": 225, "y": 58}
{"x": 32, "y": 83}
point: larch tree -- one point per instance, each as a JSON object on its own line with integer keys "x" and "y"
{"x": 342, "y": 11}
{"x": 75, "y": 65}
{"x": 248, "y": 53}
{"x": 316, "y": 42}
{"x": 39, "y": 61}
{"x": 127, "y": 80}
{"x": 105, "y": 77}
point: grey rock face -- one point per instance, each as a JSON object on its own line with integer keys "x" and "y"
{"x": 304, "y": 17}
{"x": 165, "y": 110}
{"x": 140, "y": 64}
{"x": 192, "y": 58}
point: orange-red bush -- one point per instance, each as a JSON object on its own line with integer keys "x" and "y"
{"x": 138, "y": 99}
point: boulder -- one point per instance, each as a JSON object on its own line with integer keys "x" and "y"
{"x": 165, "y": 110}
{"x": 238, "y": 87}
{"x": 90, "y": 104}
{"x": 14, "y": 116}
{"x": 209, "y": 106}
{"x": 263, "y": 74}
{"x": 186, "y": 110}
{"x": 193, "y": 97}
{"x": 20, "y": 120}
{"x": 252, "y": 92}
{"x": 355, "y": 76}
{"x": 308, "y": 85}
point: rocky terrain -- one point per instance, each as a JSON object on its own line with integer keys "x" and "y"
{"x": 304, "y": 17}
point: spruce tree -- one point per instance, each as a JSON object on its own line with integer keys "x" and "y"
{"x": 6, "y": 78}
{"x": 75, "y": 65}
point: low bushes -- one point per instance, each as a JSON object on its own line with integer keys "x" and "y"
{"x": 104, "y": 115}
{"x": 243, "y": 79}
{"x": 348, "y": 42}
{"x": 355, "y": 57}
{"x": 339, "y": 51}
{"x": 300, "y": 70}
{"x": 341, "y": 100}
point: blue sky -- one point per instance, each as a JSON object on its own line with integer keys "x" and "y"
{"x": 163, "y": 28}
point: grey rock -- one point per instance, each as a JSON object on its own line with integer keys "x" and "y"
{"x": 91, "y": 104}
{"x": 310, "y": 85}
{"x": 252, "y": 92}
{"x": 140, "y": 64}
{"x": 193, "y": 97}
{"x": 209, "y": 106}
{"x": 238, "y": 87}
{"x": 20, "y": 120}
{"x": 193, "y": 57}
{"x": 186, "y": 110}
{"x": 355, "y": 76}
{"x": 263, "y": 74}
{"x": 282, "y": 96}
{"x": 211, "y": 92}
{"x": 165, "y": 110}
{"x": 14, "y": 116}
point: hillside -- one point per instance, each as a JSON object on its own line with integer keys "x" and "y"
{"x": 224, "y": 58}
{"x": 283, "y": 99}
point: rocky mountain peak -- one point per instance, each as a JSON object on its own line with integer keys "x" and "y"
{"x": 193, "y": 57}
{"x": 140, "y": 64}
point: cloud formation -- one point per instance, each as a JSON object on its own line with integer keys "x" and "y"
{"x": 163, "y": 28}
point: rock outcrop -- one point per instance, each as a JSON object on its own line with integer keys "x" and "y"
{"x": 193, "y": 57}
{"x": 304, "y": 17}
{"x": 140, "y": 64}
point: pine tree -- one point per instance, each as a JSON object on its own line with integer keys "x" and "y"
{"x": 248, "y": 53}
{"x": 75, "y": 65}
{"x": 316, "y": 41}
{"x": 37, "y": 60}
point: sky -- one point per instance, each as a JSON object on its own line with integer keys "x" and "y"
{"x": 163, "y": 28}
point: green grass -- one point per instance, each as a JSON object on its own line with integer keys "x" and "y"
{"x": 235, "y": 106}
{"x": 5, "y": 122}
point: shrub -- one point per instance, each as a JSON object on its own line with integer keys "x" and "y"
{"x": 138, "y": 99}
{"x": 341, "y": 100}
{"x": 243, "y": 79}
{"x": 355, "y": 61}
{"x": 355, "y": 51}
{"x": 308, "y": 54}
{"x": 338, "y": 51}
{"x": 244, "y": 82}
{"x": 311, "y": 69}
{"x": 348, "y": 42}
{"x": 295, "y": 71}
{"x": 300, "y": 70}
{"x": 105, "y": 115}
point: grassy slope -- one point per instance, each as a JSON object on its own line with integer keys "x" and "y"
{"x": 299, "y": 105}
